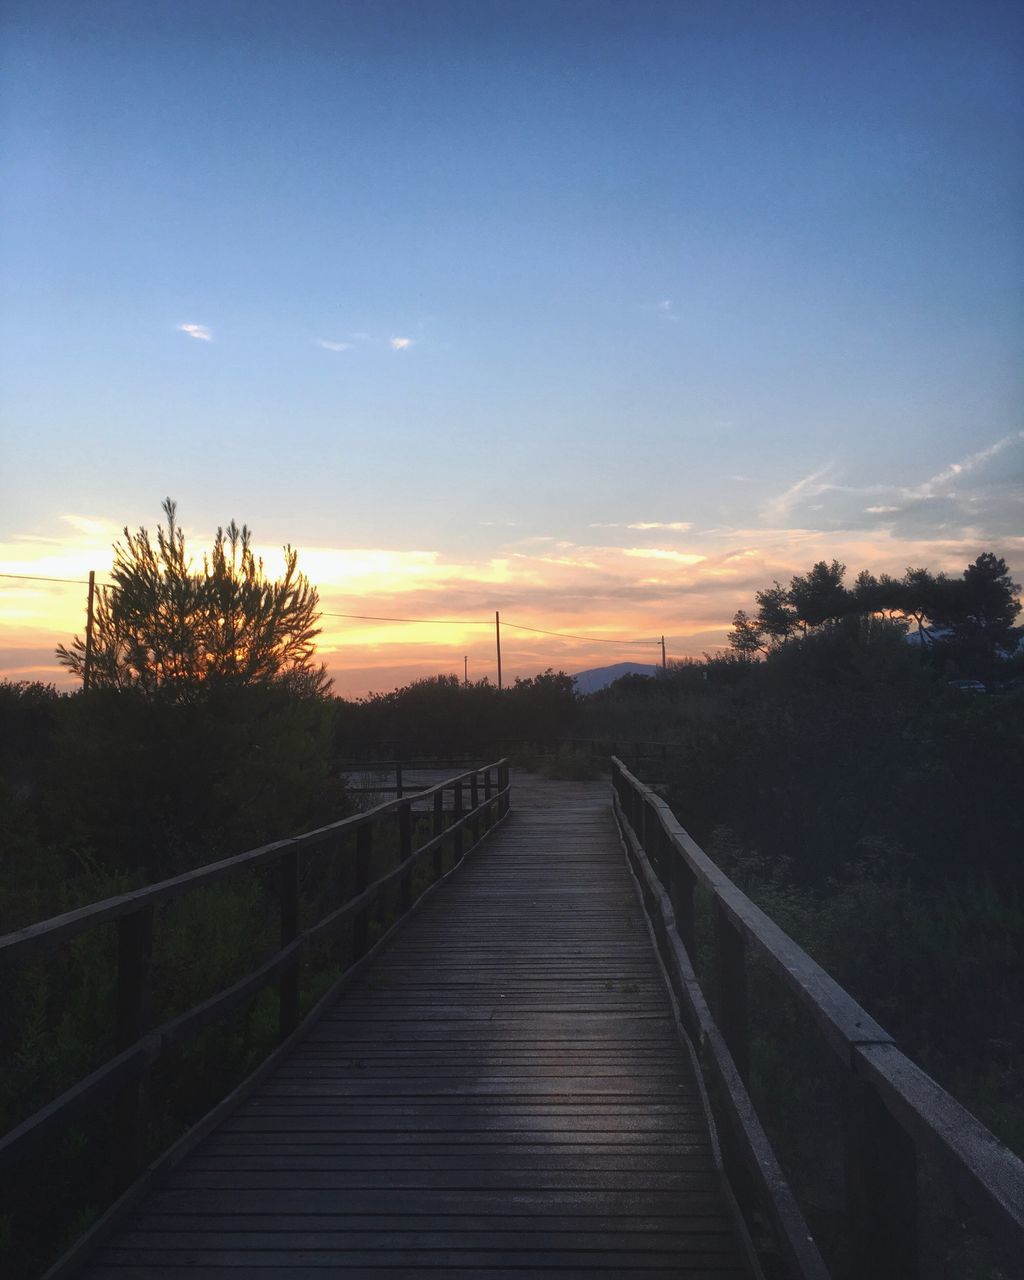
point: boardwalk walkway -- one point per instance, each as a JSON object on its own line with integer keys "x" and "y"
{"x": 502, "y": 1095}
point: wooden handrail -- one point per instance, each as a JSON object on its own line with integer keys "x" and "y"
{"x": 122, "y": 1073}
{"x": 892, "y": 1108}
{"x": 596, "y": 747}
{"x": 49, "y": 933}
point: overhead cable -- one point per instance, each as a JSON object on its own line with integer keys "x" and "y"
{"x": 34, "y": 577}
{"x": 566, "y": 635}
{"x": 440, "y": 622}
{"x": 376, "y": 617}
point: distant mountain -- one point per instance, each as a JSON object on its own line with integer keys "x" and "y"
{"x": 601, "y": 677}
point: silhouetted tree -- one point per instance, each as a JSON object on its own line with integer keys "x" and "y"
{"x": 747, "y": 635}
{"x": 981, "y": 606}
{"x": 776, "y": 619}
{"x": 915, "y": 595}
{"x": 819, "y": 596}
{"x": 165, "y": 627}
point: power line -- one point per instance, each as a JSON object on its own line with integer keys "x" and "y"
{"x": 440, "y": 622}
{"x": 566, "y": 635}
{"x": 376, "y": 617}
{"x": 34, "y": 577}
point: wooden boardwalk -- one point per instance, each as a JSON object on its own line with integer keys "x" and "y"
{"x": 502, "y": 1094}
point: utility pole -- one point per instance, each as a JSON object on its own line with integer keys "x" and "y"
{"x": 497, "y": 641}
{"x": 465, "y": 670}
{"x": 664, "y": 660}
{"x": 87, "y": 670}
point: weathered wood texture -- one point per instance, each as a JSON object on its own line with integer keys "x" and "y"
{"x": 502, "y": 1094}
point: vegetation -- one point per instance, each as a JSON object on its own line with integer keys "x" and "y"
{"x": 205, "y": 729}
{"x": 974, "y": 615}
{"x": 443, "y": 718}
{"x": 169, "y": 630}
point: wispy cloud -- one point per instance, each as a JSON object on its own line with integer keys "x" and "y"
{"x": 965, "y": 495}
{"x": 810, "y": 486}
{"x": 956, "y": 470}
{"x": 675, "y": 526}
{"x": 329, "y": 345}
{"x": 401, "y": 344}
{"x": 197, "y": 331}
{"x": 663, "y": 553}
{"x": 664, "y": 309}
{"x": 103, "y": 530}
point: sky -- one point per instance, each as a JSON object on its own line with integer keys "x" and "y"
{"x": 601, "y": 315}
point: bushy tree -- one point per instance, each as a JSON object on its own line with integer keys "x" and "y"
{"x": 982, "y": 604}
{"x": 775, "y": 616}
{"x": 747, "y": 635}
{"x": 975, "y": 614}
{"x": 168, "y": 628}
{"x": 820, "y": 596}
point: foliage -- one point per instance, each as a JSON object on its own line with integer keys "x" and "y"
{"x": 441, "y": 717}
{"x": 111, "y": 784}
{"x": 974, "y": 614}
{"x": 167, "y": 628}
{"x": 104, "y": 791}
{"x": 819, "y": 596}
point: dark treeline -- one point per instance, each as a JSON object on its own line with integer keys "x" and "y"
{"x": 116, "y": 785}
{"x": 972, "y": 616}
{"x": 442, "y": 717}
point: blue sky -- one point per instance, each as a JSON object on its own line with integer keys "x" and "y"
{"x": 462, "y": 276}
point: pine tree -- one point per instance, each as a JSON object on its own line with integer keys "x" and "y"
{"x": 165, "y": 628}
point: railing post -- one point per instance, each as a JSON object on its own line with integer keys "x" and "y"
{"x": 288, "y": 983}
{"x": 438, "y": 829}
{"x": 134, "y": 953}
{"x": 731, "y": 986}
{"x": 649, "y": 837}
{"x": 881, "y": 1186}
{"x": 457, "y": 838}
{"x": 398, "y": 779}
{"x": 488, "y": 812}
{"x": 364, "y": 852}
{"x": 503, "y": 788}
{"x": 404, "y": 854}
{"x": 683, "y": 884}
{"x": 474, "y": 804}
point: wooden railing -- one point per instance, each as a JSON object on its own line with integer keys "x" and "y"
{"x": 479, "y": 800}
{"x": 386, "y": 756}
{"x": 893, "y": 1111}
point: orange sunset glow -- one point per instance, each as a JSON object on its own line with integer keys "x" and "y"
{"x": 623, "y": 597}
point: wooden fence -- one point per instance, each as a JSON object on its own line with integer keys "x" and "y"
{"x": 892, "y": 1111}
{"x": 479, "y": 800}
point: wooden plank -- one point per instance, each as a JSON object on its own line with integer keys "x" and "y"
{"x": 255, "y": 1236}
{"x": 284, "y": 1271}
{"x": 562, "y": 1258}
{"x": 385, "y": 1226}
